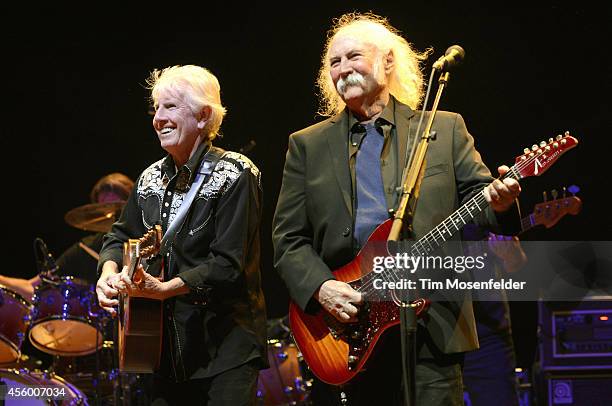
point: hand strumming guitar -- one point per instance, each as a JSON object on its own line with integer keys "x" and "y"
{"x": 339, "y": 299}
{"x": 147, "y": 286}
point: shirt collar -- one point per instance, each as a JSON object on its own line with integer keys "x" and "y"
{"x": 190, "y": 167}
{"x": 387, "y": 117}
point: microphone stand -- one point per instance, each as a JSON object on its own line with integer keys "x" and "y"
{"x": 411, "y": 183}
{"x": 45, "y": 262}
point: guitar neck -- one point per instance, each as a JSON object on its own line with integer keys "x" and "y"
{"x": 455, "y": 222}
{"x": 132, "y": 267}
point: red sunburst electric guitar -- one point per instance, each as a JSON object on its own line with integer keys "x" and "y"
{"x": 336, "y": 352}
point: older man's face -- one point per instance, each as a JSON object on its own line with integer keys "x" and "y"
{"x": 177, "y": 126}
{"x": 355, "y": 68}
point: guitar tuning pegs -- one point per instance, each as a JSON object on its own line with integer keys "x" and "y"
{"x": 567, "y": 133}
{"x": 534, "y": 147}
{"x": 526, "y": 150}
{"x": 558, "y": 137}
{"x": 545, "y": 196}
{"x": 554, "y": 193}
{"x": 542, "y": 144}
{"x": 550, "y": 140}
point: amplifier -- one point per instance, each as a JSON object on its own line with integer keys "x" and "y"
{"x": 575, "y": 335}
{"x": 576, "y": 389}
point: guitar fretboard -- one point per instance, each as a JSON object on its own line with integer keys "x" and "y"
{"x": 453, "y": 223}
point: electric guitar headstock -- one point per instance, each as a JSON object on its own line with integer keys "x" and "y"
{"x": 549, "y": 212}
{"x": 540, "y": 157}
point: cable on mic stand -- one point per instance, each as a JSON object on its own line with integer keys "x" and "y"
{"x": 408, "y": 317}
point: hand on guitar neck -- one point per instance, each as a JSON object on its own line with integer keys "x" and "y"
{"x": 509, "y": 250}
{"x": 141, "y": 284}
{"x": 145, "y": 285}
{"x": 501, "y": 194}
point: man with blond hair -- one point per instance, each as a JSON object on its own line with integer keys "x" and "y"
{"x": 341, "y": 178}
{"x": 214, "y": 313}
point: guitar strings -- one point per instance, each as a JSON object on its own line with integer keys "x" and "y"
{"x": 428, "y": 238}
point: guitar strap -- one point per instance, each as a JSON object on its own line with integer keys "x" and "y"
{"x": 209, "y": 162}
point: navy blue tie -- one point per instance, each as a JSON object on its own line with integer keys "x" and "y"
{"x": 371, "y": 202}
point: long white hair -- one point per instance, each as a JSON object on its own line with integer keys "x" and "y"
{"x": 406, "y": 79}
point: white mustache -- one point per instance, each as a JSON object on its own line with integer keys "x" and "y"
{"x": 353, "y": 79}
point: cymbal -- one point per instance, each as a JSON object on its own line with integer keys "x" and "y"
{"x": 97, "y": 217}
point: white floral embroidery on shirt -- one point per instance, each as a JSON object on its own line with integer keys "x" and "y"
{"x": 177, "y": 200}
{"x": 226, "y": 172}
{"x": 150, "y": 182}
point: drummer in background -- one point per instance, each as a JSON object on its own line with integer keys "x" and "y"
{"x": 81, "y": 258}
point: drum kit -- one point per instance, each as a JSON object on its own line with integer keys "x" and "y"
{"x": 287, "y": 380}
{"x": 65, "y": 321}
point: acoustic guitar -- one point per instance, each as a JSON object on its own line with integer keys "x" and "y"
{"x": 140, "y": 319}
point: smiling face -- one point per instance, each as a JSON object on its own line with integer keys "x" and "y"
{"x": 178, "y": 127}
{"x": 356, "y": 71}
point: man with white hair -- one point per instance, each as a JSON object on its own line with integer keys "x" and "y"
{"x": 340, "y": 180}
{"x": 214, "y": 312}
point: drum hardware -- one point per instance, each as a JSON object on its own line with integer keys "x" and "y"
{"x": 45, "y": 262}
{"x": 283, "y": 383}
{"x": 95, "y": 375}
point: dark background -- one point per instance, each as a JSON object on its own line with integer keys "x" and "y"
{"x": 529, "y": 74}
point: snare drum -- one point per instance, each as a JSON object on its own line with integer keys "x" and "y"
{"x": 66, "y": 318}
{"x": 14, "y": 312}
{"x": 282, "y": 383}
{"x": 20, "y": 380}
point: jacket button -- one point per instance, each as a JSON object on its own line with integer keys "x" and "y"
{"x": 346, "y": 232}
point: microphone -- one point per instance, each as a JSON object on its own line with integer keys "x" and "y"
{"x": 452, "y": 57}
{"x": 47, "y": 259}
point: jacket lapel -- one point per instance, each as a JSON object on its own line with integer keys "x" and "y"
{"x": 337, "y": 140}
{"x": 403, "y": 116}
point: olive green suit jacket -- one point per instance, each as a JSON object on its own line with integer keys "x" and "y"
{"x": 314, "y": 220}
